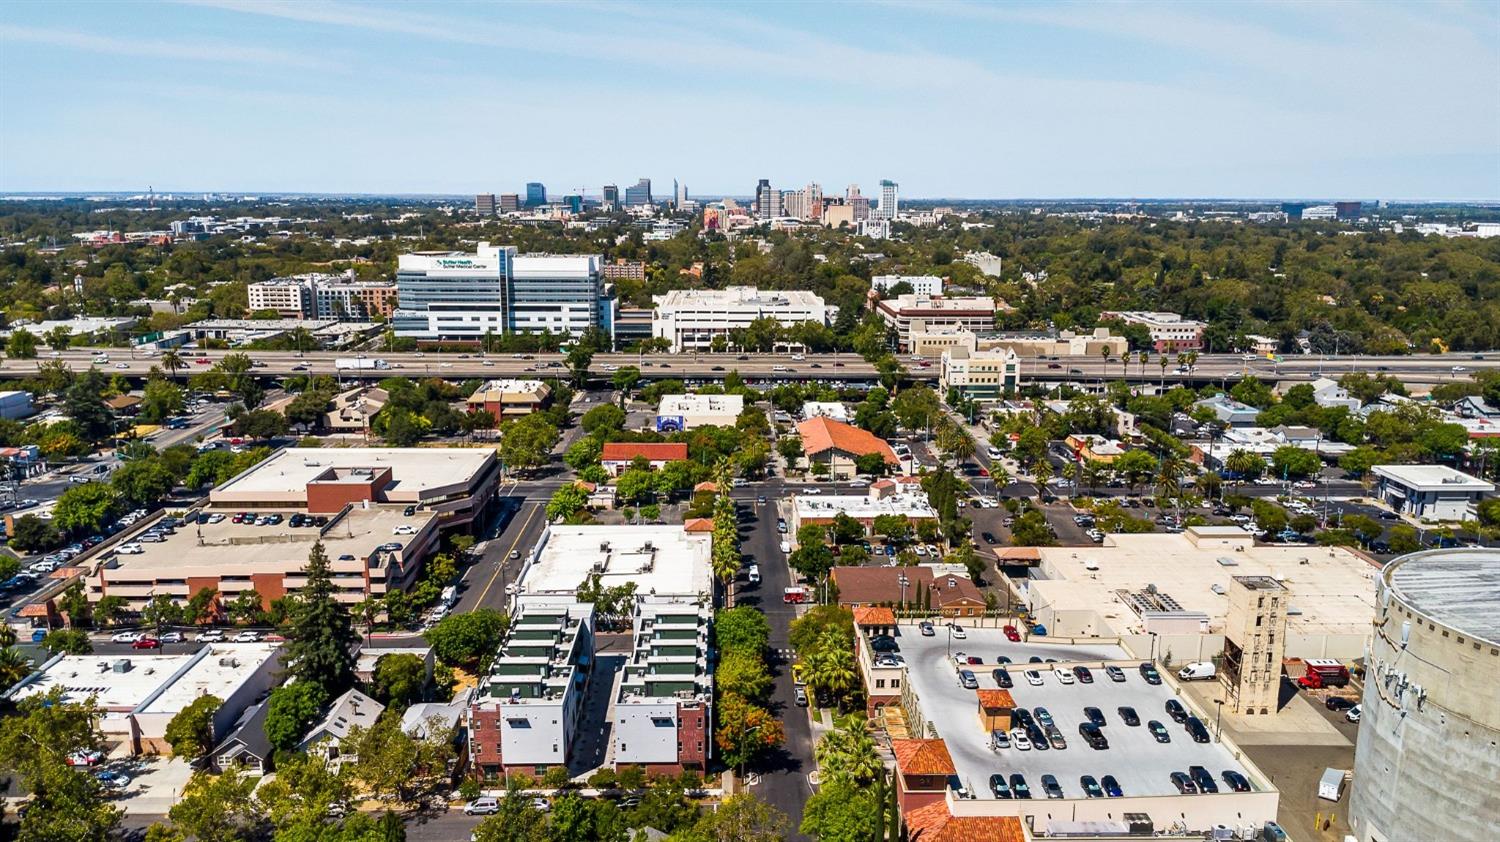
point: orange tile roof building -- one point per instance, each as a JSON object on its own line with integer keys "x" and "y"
{"x": 837, "y": 445}
{"x": 951, "y": 595}
{"x": 923, "y": 768}
{"x": 934, "y": 823}
{"x": 617, "y": 456}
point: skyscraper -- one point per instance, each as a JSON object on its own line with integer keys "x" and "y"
{"x": 638, "y": 193}
{"x": 767, "y": 200}
{"x": 484, "y": 204}
{"x": 679, "y": 195}
{"x": 510, "y": 202}
{"x": 536, "y": 194}
{"x": 611, "y": 197}
{"x": 860, "y": 204}
{"x": 888, "y": 200}
{"x": 805, "y": 204}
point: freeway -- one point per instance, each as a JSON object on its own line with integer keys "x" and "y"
{"x": 1416, "y": 369}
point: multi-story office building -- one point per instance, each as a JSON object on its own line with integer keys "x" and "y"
{"x": 1347, "y": 211}
{"x": 908, "y": 313}
{"x": 611, "y": 197}
{"x": 858, "y": 203}
{"x": 1320, "y": 212}
{"x": 536, "y": 194}
{"x": 639, "y": 194}
{"x": 980, "y": 375}
{"x": 804, "y": 204}
{"x": 767, "y": 200}
{"x": 1170, "y": 332}
{"x": 322, "y": 296}
{"x": 510, "y": 202}
{"x": 679, "y": 195}
{"x": 920, "y": 284}
{"x": 461, "y": 296}
{"x": 484, "y": 204}
{"x": 625, "y": 270}
{"x": 889, "y": 200}
{"x": 691, "y": 319}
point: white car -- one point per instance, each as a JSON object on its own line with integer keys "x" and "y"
{"x": 125, "y": 637}
{"x": 1063, "y": 675}
{"x": 959, "y": 633}
{"x": 1034, "y": 678}
{"x": 113, "y": 780}
{"x": 247, "y": 637}
{"x": 482, "y": 807}
{"x": 920, "y": 550}
{"x": 215, "y": 518}
{"x": 173, "y": 637}
{"x": 211, "y": 636}
{"x": 1019, "y": 740}
{"x": 813, "y": 491}
{"x": 404, "y": 529}
{"x": 122, "y": 366}
{"x": 130, "y": 549}
{"x": 859, "y": 483}
{"x": 1353, "y": 714}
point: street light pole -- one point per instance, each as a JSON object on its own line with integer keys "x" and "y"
{"x": 1219, "y": 722}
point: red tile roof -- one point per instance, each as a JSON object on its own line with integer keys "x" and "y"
{"x": 699, "y": 524}
{"x": 820, "y": 434}
{"x": 626, "y": 451}
{"x": 874, "y": 616}
{"x": 992, "y": 699}
{"x": 933, "y": 823}
{"x": 874, "y": 585}
{"x": 923, "y": 757}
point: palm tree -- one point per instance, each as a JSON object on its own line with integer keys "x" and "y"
{"x": 1162, "y": 361}
{"x": 1245, "y": 463}
{"x": 1103, "y": 366}
{"x": 172, "y": 361}
{"x": 848, "y": 750}
{"x": 1144, "y": 357}
{"x": 955, "y": 441}
{"x": 14, "y": 666}
{"x": 830, "y": 664}
{"x": 1042, "y": 472}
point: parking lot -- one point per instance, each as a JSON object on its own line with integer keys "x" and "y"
{"x": 1140, "y": 764}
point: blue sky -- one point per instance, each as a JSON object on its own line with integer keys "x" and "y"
{"x": 1378, "y": 100}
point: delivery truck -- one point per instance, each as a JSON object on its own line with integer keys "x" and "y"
{"x": 1323, "y": 672}
{"x": 360, "y": 364}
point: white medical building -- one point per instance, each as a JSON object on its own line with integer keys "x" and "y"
{"x": 691, "y": 318}
{"x": 920, "y": 284}
{"x": 1430, "y": 492}
{"x": 460, "y": 296}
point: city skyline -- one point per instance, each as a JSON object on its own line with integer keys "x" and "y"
{"x": 951, "y": 100}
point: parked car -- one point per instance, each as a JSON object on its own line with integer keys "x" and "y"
{"x": 800, "y": 697}
{"x": 84, "y": 757}
{"x": 112, "y": 780}
{"x": 1055, "y": 738}
{"x": 1002, "y": 678}
{"x": 247, "y": 637}
{"x": 482, "y": 807}
{"x": 967, "y": 679}
{"x": 1051, "y": 786}
{"x": 998, "y": 787}
{"x": 146, "y": 643}
{"x": 1063, "y": 675}
{"x": 1019, "y": 739}
{"x": 1091, "y": 788}
{"x": 1114, "y": 673}
{"x": 1083, "y": 674}
{"x": 211, "y": 636}
{"x": 1184, "y": 784}
{"x": 1196, "y": 729}
{"x": 1111, "y": 786}
{"x": 1093, "y": 736}
{"x": 1128, "y": 715}
{"x": 1043, "y": 716}
{"x": 1353, "y": 714}
{"x": 125, "y": 637}
{"x": 1235, "y": 781}
{"x": 1012, "y": 634}
{"x": 1148, "y": 672}
{"x": 1159, "y": 731}
{"x": 926, "y": 629}
{"x": 958, "y": 632}
{"x": 1095, "y": 716}
{"x": 1176, "y": 711}
{"x": 1018, "y": 786}
{"x": 1338, "y": 703}
{"x": 1034, "y": 678}
{"x": 1203, "y": 780}
{"x": 173, "y": 637}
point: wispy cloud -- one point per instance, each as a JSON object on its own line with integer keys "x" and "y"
{"x": 204, "y": 51}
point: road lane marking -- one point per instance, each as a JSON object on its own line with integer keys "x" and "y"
{"x": 536, "y": 507}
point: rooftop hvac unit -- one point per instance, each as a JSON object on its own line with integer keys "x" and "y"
{"x": 120, "y": 665}
{"x": 1150, "y": 588}
{"x": 647, "y": 547}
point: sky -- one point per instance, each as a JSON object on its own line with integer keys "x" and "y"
{"x": 1381, "y": 100}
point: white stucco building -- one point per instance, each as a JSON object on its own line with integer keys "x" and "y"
{"x": 691, "y": 318}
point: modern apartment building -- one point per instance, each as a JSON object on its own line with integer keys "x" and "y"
{"x": 980, "y": 375}
{"x": 1170, "y": 332}
{"x": 889, "y": 200}
{"x": 323, "y": 296}
{"x": 662, "y": 715}
{"x": 460, "y": 296}
{"x": 920, "y": 284}
{"x": 691, "y": 319}
{"x": 907, "y": 313}
{"x": 639, "y": 194}
{"x": 624, "y": 270}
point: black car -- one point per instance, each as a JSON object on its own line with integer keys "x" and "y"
{"x": 998, "y": 787}
{"x": 1095, "y": 716}
{"x": 1035, "y": 659}
{"x": 1003, "y": 659}
{"x": 1184, "y": 784}
{"x": 886, "y": 643}
{"x": 1022, "y": 717}
{"x": 1339, "y": 703}
{"x": 1159, "y": 731}
{"x": 1111, "y": 786}
{"x": 1176, "y": 711}
{"x": 1051, "y": 786}
{"x": 989, "y": 537}
{"x": 1148, "y": 672}
{"x": 409, "y": 511}
{"x": 1203, "y": 779}
{"x": 1018, "y": 786}
{"x": 1235, "y": 781}
{"x": 1197, "y": 729}
{"x": 1093, "y": 736}
{"x": 1043, "y": 716}
{"x": 1083, "y": 675}
{"x": 1128, "y": 716}
{"x": 1091, "y": 788}
{"x": 1038, "y": 737}
{"x": 1003, "y": 679}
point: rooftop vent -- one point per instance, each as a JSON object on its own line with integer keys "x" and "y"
{"x": 120, "y": 665}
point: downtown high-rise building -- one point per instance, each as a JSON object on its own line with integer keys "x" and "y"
{"x": 484, "y": 204}
{"x": 859, "y": 204}
{"x": 679, "y": 195}
{"x": 510, "y": 202}
{"x": 611, "y": 197}
{"x": 639, "y": 194}
{"x": 767, "y": 200}
{"x": 536, "y": 194}
{"x": 805, "y": 204}
{"x": 889, "y": 200}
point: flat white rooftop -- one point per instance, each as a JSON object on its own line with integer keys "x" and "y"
{"x": 1332, "y": 588}
{"x": 659, "y": 559}
{"x": 736, "y": 297}
{"x": 414, "y": 470}
{"x": 701, "y": 405}
{"x": 863, "y": 506}
{"x": 219, "y": 671}
{"x": 82, "y": 676}
{"x": 1433, "y": 478}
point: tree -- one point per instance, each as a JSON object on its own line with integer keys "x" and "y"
{"x": 1031, "y": 530}
{"x": 302, "y": 795}
{"x": 159, "y": 401}
{"x": 527, "y": 442}
{"x": 841, "y": 811}
{"x": 85, "y": 507}
{"x": 191, "y": 731}
{"x": 261, "y": 424}
{"x": 829, "y": 665}
{"x": 740, "y": 818}
{"x": 218, "y": 808}
{"x": 246, "y": 608}
{"x": 21, "y": 345}
{"x": 577, "y": 361}
{"x": 84, "y": 404}
{"x": 624, "y": 379}
{"x": 1403, "y": 539}
{"x": 143, "y": 481}
{"x": 741, "y": 629}
{"x": 108, "y": 609}
{"x": 68, "y": 642}
{"x": 59, "y": 338}
{"x": 606, "y": 417}
{"x": 1269, "y": 516}
{"x": 1135, "y": 467}
{"x": 635, "y": 485}
{"x": 32, "y": 534}
{"x": 465, "y": 640}
{"x": 745, "y": 730}
{"x": 1245, "y": 464}
{"x": 1365, "y": 528}
{"x": 896, "y": 529}
{"x": 162, "y": 611}
{"x": 66, "y": 803}
{"x": 517, "y": 821}
{"x": 845, "y": 529}
{"x": 812, "y": 560}
{"x": 14, "y": 666}
{"x": 398, "y": 679}
{"x": 869, "y": 464}
{"x": 319, "y": 632}
{"x": 1292, "y": 461}
{"x": 743, "y": 673}
{"x": 291, "y": 710}
{"x": 567, "y": 501}
{"x": 849, "y": 752}
{"x": 394, "y": 765}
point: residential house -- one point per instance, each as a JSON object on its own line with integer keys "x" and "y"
{"x": 950, "y": 595}
{"x": 246, "y": 745}
{"x": 349, "y": 711}
{"x": 1327, "y": 393}
{"x": 837, "y": 445}
{"x": 617, "y": 456}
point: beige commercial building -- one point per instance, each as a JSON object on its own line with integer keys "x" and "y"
{"x": 908, "y": 314}
{"x": 980, "y": 375}
{"x": 931, "y": 340}
{"x": 1169, "y": 592}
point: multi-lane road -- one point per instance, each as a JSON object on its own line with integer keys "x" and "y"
{"x": 1417, "y": 369}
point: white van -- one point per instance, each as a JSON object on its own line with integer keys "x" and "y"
{"x": 785, "y": 547}
{"x": 754, "y": 574}
{"x": 1197, "y": 671}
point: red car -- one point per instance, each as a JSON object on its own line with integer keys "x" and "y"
{"x": 975, "y": 659}
{"x": 1012, "y": 635}
{"x": 146, "y": 643}
{"x": 203, "y": 361}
